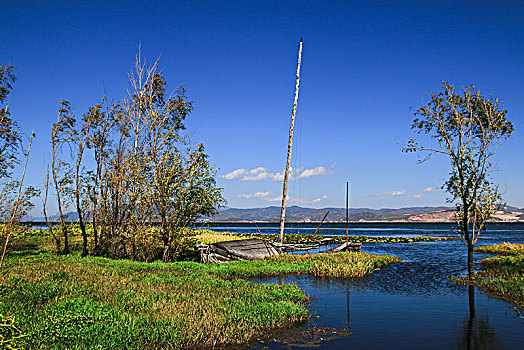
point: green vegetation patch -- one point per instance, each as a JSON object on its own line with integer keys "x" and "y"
{"x": 502, "y": 249}
{"x": 341, "y": 264}
{"x": 84, "y": 303}
{"x": 209, "y": 236}
{"x": 70, "y": 302}
{"x": 502, "y": 276}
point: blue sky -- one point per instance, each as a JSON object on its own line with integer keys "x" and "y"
{"x": 365, "y": 64}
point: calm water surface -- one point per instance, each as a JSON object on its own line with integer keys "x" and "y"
{"x": 410, "y": 305}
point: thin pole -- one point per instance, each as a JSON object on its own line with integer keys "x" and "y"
{"x": 347, "y": 216}
{"x": 289, "y": 146}
{"x": 257, "y": 227}
{"x": 318, "y": 228}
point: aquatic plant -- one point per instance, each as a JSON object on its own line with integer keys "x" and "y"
{"x": 303, "y": 238}
{"x": 502, "y": 276}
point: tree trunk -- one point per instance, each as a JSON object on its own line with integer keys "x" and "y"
{"x": 82, "y": 228}
{"x": 57, "y": 242}
{"x": 96, "y": 248}
{"x": 66, "y": 239}
{"x": 166, "y": 257}
{"x": 471, "y": 271}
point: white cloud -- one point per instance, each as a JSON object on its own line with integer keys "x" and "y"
{"x": 265, "y": 196}
{"x": 431, "y": 189}
{"x": 398, "y": 193}
{"x": 259, "y": 173}
{"x": 296, "y": 200}
{"x": 426, "y": 190}
{"x": 278, "y": 177}
{"x": 273, "y": 199}
{"x": 256, "y": 195}
{"x": 262, "y": 173}
{"x": 318, "y": 199}
{"x": 391, "y": 193}
{"x": 235, "y": 174}
{"x": 318, "y": 171}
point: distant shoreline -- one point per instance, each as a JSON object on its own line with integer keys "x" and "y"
{"x": 312, "y": 224}
{"x": 339, "y": 224}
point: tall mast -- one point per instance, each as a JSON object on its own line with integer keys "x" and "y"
{"x": 289, "y": 146}
{"x": 347, "y": 216}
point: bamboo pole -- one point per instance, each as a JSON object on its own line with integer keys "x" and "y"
{"x": 347, "y": 216}
{"x": 289, "y": 147}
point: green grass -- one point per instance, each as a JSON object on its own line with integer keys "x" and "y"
{"x": 69, "y": 302}
{"x": 327, "y": 265}
{"x": 502, "y": 249}
{"x": 209, "y": 236}
{"x": 82, "y": 303}
{"x": 503, "y": 275}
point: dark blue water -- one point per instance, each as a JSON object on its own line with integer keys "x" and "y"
{"x": 410, "y": 305}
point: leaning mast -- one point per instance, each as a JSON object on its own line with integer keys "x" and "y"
{"x": 289, "y": 147}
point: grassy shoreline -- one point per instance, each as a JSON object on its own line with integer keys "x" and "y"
{"x": 83, "y": 303}
{"x": 502, "y": 275}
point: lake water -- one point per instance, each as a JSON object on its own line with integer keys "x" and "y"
{"x": 410, "y": 305}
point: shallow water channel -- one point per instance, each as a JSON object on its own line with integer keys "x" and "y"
{"x": 410, "y": 305}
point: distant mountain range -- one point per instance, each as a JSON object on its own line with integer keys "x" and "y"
{"x": 300, "y": 214}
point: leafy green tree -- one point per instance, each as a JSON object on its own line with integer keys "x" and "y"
{"x": 9, "y": 132}
{"x": 467, "y": 128}
{"x": 173, "y": 183}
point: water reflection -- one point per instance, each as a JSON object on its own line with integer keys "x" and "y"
{"x": 477, "y": 333}
{"x": 411, "y": 305}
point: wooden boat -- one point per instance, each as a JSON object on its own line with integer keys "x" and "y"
{"x": 348, "y": 246}
{"x": 244, "y": 249}
{"x": 251, "y": 249}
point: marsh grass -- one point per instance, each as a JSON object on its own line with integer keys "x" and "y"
{"x": 208, "y": 236}
{"x": 69, "y": 302}
{"x": 204, "y": 236}
{"x": 503, "y": 275}
{"x": 502, "y": 249}
{"x": 82, "y": 303}
{"x": 341, "y": 264}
